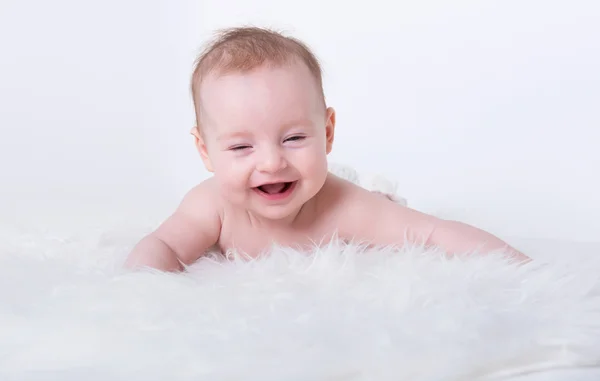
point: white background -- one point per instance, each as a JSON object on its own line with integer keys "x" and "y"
{"x": 484, "y": 110}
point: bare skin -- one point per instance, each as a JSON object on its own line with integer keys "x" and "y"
{"x": 204, "y": 221}
{"x": 265, "y": 135}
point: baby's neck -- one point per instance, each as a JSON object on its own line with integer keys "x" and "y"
{"x": 299, "y": 219}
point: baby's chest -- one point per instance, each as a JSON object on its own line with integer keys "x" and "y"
{"x": 252, "y": 241}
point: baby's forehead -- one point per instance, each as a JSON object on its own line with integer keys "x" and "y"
{"x": 249, "y": 98}
{"x": 226, "y": 125}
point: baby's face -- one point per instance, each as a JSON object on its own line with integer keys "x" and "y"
{"x": 267, "y": 135}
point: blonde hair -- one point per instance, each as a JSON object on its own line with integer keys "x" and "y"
{"x": 243, "y": 49}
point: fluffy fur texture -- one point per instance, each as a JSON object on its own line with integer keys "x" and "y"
{"x": 340, "y": 313}
{"x": 68, "y": 312}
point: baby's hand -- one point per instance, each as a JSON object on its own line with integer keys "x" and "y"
{"x": 184, "y": 236}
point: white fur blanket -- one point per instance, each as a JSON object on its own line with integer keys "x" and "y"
{"x": 68, "y": 312}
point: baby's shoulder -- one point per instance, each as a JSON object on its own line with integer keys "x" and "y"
{"x": 204, "y": 189}
{"x": 342, "y": 192}
{"x": 352, "y": 205}
{"x": 203, "y": 198}
{"x": 343, "y": 199}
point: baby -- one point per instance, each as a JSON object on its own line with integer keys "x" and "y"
{"x": 264, "y": 130}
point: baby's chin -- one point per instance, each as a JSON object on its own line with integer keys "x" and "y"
{"x": 279, "y": 213}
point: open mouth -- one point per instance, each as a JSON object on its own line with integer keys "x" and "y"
{"x": 275, "y": 188}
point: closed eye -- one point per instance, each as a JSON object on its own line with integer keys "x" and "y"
{"x": 239, "y": 148}
{"x": 295, "y": 138}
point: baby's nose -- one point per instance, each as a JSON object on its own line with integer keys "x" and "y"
{"x": 271, "y": 161}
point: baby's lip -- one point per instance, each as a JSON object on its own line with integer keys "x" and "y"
{"x": 275, "y": 182}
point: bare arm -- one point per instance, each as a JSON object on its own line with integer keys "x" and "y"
{"x": 386, "y": 223}
{"x": 458, "y": 237}
{"x": 183, "y": 237}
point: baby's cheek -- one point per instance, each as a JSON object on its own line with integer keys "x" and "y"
{"x": 227, "y": 175}
{"x": 233, "y": 179}
{"x": 313, "y": 159}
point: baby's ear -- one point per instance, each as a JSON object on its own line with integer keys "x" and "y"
{"x": 201, "y": 147}
{"x": 329, "y": 129}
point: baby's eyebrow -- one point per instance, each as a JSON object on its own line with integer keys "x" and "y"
{"x": 242, "y": 134}
{"x": 232, "y": 135}
{"x": 298, "y": 123}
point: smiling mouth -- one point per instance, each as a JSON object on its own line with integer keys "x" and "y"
{"x": 275, "y": 188}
